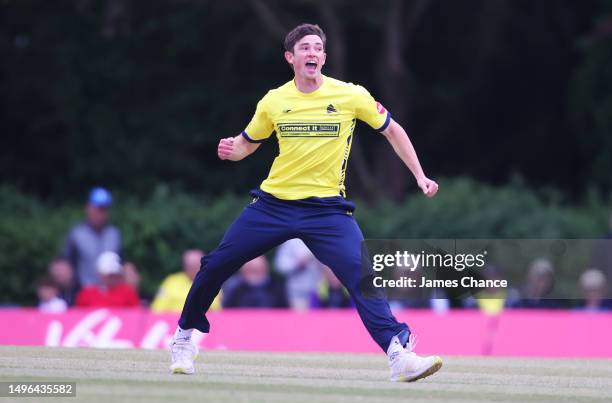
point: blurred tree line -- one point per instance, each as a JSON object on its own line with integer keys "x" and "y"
{"x": 131, "y": 93}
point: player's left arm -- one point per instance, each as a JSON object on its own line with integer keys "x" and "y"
{"x": 396, "y": 135}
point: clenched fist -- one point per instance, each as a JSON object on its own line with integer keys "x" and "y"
{"x": 429, "y": 187}
{"x": 225, "y": 148}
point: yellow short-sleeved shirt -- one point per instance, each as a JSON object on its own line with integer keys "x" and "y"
{"x": 172, "y": 293}
{"x": 314, "y": 132}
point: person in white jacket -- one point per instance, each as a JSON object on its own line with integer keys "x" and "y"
{"x": 303, "y": 272}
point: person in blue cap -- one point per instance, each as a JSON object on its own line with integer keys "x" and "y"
{"x": 90, "y": 238}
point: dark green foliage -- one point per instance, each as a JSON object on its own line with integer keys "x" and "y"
{"x": 157, "y": 230}
{"x": 465, "y": 209}
{"x": 130, "y": 94}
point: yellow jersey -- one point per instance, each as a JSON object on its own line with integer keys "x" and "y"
{"x": 314, "y": 132}
{"x": 172, "y": 293}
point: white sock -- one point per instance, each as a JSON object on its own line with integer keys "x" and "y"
{"x": 182, "y": 334}
{"x": 395, "y": 347}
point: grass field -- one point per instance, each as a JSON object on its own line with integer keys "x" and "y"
{"x": 113, "y": 376}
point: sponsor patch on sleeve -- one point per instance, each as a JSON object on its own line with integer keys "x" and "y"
{"x": 380, "y": 108}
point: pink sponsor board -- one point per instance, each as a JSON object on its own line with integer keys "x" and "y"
{"x": 513, "y": 333}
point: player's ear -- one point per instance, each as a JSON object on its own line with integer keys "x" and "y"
{"x": 289, "y": 57}
{"x": 323, "y": 59}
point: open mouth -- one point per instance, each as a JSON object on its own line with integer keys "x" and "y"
{"x": 311, "y": 65}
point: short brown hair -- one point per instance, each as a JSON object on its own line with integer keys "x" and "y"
{"x": 301, "y": 31}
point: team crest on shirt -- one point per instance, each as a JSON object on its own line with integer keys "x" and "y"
{"x": 380, "y": 108}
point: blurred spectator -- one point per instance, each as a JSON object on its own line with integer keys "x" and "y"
{"x": 87, "y": 240}
{"x": 492, "y": 301}
{"x": 593, "y": 285}
{"x": 602, "y": 253}
{"x": 48, "y": 296}
{"x": 302, "y": 270}
{"x": 113, "y": 292}
{"x": 331, "y": 293}
{"x": 255, "y": 288}
{"x": 540, "y": 282}
{"x": 62, "y": 274}
{"x": 173, "y": 290}
{"x": 415, "y": 297}
{"x": 131, "y": 276}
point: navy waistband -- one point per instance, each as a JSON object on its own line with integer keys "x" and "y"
{"x": 333, "y": 201}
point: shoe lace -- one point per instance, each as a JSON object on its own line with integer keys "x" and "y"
{"x": 412, "y": 343}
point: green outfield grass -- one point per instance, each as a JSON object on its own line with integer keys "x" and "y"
{"x": 112, "y": 376}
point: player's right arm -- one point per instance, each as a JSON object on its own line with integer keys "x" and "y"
{"x": 235, "y": 148}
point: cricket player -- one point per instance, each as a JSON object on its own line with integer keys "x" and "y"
{"x": 314, "y": 118}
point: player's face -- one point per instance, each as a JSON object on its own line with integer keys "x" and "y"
{"x": 308, "y": 57}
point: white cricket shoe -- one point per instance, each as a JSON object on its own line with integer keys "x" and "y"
{"x": 183, "y": 353}
{"x": 406, "y": 366}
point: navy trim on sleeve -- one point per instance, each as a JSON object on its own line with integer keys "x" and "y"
{"x": 387, "y": 121}
{"x": 250, "y": 140}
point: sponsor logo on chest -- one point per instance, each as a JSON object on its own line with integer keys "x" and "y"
{"x": 308, "y": 129}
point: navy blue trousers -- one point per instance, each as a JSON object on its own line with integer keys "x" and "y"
{"x": 326, "y": 226}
